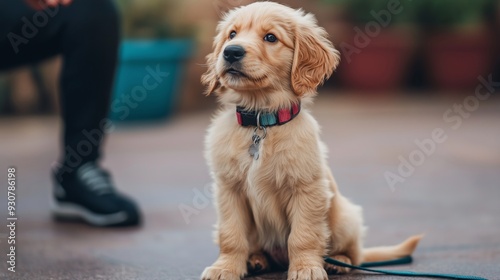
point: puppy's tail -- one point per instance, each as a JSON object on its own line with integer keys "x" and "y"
{"x": 385, "y": 253}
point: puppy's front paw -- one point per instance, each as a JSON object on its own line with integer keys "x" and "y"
{"x": 309, "y": 273}
{"x": 216, "y": 273}
{"x": 333, "y": 269}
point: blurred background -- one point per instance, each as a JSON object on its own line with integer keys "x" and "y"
{"x": 408, "y": 68}
{"x": 421, "y": 48}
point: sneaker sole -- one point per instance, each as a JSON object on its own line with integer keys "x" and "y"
{"x": 67, "y": 210}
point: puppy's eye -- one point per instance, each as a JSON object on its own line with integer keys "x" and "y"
{"x": 232, "y": 34}
{"x": 270, "y": 38}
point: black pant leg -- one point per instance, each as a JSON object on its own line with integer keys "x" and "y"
{"x": 26, "y": 35}
{"x": 86, "y": 33}
{"x": 89, "y": 46}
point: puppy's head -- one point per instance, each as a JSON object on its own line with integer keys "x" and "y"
{"x": 266, "y": 46}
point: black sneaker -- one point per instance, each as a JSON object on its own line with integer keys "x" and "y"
{"x": 88, "y": 194}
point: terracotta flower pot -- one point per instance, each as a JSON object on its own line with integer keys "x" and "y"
{"x": 380, "y": 65}
{"x": 455, "y": 60}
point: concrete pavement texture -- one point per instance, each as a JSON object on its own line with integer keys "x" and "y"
{"x": 452, "y": 195}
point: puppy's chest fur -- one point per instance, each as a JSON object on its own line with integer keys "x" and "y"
{"x": 269, "y": 181}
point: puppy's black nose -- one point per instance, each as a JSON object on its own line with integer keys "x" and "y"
{"x": 233, "y": 53}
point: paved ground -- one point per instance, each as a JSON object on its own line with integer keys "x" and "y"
{"x": 453, "y": 197}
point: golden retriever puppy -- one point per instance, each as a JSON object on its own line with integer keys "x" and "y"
{"x": 275, "y": 195}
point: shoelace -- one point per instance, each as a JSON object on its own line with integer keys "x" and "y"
{"x": 95, "y": 178}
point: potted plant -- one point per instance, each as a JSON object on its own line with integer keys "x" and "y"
{"x": 460, "y": 43}
{"x": 152, "y": 59}
{"x": 377, "y": 53}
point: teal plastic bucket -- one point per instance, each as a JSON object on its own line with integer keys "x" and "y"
{"x": 148, "y": 79}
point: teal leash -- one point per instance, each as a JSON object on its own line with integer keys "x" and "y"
{"x": 404, "y": 260}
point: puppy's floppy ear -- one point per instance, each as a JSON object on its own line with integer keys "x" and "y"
{"x": 210, "y": 78}
{"x": 314, "y": 58}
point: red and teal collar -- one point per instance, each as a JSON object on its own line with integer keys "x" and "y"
{"x": 282, "y": 116}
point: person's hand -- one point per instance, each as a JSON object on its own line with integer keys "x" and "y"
{"x": 41, "y": 4}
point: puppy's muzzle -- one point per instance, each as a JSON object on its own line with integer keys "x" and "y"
{"x": 233, "y": 53}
